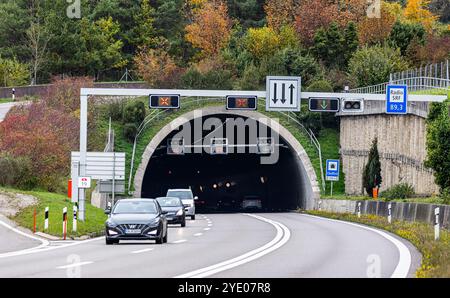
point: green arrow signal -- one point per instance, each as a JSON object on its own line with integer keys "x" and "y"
{"x": 324, "y": 105}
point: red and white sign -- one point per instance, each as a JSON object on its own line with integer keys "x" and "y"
{"x": 84, "y": 182}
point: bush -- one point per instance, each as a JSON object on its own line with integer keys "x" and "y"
{"x": 134, "y": 112}
{"x": 115, "y": 110}
{"x": 311, "y": 121}
{"x": 16, "y": 172}
{"x": 372, "y": 65}
{"x": 130, "y": 131}
{"x": 398, "y": 191}
{"x": 372, "y": 171}
{"x": 213, "y": 79}
{"x": 445, "y": 195}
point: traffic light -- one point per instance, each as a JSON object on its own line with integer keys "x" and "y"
{"x": 219, "y": 146}
{"x": 242, "y": 102}
{"x": 324, "y": 104}
{"x": 175, "y": 146}
{"x": 352, "y": 106}
{"x": 164, "y": 101}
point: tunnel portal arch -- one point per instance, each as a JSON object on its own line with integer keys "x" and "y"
{"x": 307, "y": 185}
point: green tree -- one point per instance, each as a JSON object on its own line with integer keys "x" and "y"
{"x": 249, "y": 13}
{"x": 13, "y": 73}
{"x": 372, "y": 65}
{"x": 334, "y": 47}
{"x": 14, "y": 21}
{"x": 438, "y": 143}
{"x": 372, "y": 172}
{"x": 403, "y": 34}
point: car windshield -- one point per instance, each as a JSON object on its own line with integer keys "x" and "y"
{"x": 184, "y": 195}
{"x": 169, "y": 202}
{"x": 138, "y": 207}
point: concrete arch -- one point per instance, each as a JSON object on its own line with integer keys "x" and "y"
{"x": 309, "y": 183}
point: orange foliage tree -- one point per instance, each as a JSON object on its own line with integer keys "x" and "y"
{"x": 417, "y": 11}
{"x": 210, "y": 30}
{"x": 376, "y": 30}
{"x": 280, "y": 12}
{"x": 312, "y": 15}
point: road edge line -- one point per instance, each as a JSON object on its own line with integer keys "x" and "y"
{"x": 405, "y": 260}
{"x": 44, "y": 242}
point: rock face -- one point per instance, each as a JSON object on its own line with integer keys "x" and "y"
{"x": 12, "y": 203}
{"x": 402, "y": 147}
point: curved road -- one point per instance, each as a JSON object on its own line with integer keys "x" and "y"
{"x": 229, "y": 245}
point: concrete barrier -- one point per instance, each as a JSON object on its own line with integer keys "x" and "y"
{"x": 415, "y": 212}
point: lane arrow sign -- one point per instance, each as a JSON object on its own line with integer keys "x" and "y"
{"x": 324, "y": 105}
{"x": 283, "y": 93}
{"x": 275, "y": 99}
{"x": 292, "y": 87}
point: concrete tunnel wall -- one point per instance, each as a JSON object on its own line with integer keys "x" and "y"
{"x": 307, "y": 184}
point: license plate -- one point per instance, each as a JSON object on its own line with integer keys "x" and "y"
{"x": 132, "y": 231}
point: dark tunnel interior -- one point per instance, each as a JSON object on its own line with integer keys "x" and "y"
{"x": 223, "y": 181}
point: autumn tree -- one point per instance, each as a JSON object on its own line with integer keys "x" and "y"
{"x": 211, "y": 28}
{"x": 377, "y": 30}
{"x": 312, "y": 15}
{"x": 417, "y": 11}
{"x": 156, "y": 67}
{"x": 281, "y": 12}
{"x": 435, "y": 50}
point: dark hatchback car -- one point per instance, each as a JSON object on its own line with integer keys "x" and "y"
{"x": 176, "y": 213}
{"x": 136, "y": 219}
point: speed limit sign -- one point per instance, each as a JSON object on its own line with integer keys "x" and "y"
{"x": 84, "y": 182}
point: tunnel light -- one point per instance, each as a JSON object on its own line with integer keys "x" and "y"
{"x": 215, "y": 186}
{"x": 265, "y": 145}
{"x": 219, "y": 146}
{"x": 263, "y": 179}
{"x": 175, "y": 146}
{"x": 228, "y": 184}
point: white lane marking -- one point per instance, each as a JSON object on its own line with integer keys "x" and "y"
{"x": 43, "y": 241}
{"x": 74, "y": 265}
{"x": 44, "y": 249}
{"x": 209, "y": 225}
{"x": 142, "y": 250}
{"x": 404, "y": 262}
{"x": 282, "y": 236}
{"x": 207, "y": 229}
{"x": 198, "y": 234}
{"x": 179, "y": 241}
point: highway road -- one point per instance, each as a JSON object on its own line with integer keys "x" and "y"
{"x": 229, "y": 245}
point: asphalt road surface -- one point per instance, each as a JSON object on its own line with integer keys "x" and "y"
{"x": 229, "y": 245}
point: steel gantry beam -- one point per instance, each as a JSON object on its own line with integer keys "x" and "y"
{"x": 86, "y": 92}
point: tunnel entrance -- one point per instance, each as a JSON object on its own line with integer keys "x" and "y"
{"x": 223, "y": 182}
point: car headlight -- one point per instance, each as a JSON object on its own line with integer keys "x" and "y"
{"x": 180, "y": 212}
{"x": 112, "y": 232}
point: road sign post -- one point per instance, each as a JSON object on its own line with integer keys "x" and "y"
{"x": 332, "y": 173}
{"x": 397, "y": 99}
{"x": 283, "y": 93}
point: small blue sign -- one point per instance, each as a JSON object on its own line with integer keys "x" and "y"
{"x": 396, "y": 99}
{"x": 332, "y": 173}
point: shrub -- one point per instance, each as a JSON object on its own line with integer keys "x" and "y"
{"x": 320, "y": 86}
{"x": 130, "y": 131}
{"x": 134, "y": 112}
{"x": 398, "y": 191}
{"x": 311, "y": 121}
{"x": 372, "y": 65}
{"x": 445, "y": 195}
{"x": 16, "y": 172}
{"x": 115, "y": 110}
{"x": 214, "y": 79}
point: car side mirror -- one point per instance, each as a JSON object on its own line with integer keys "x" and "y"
{"x": 107, "y": 211}
{"x": 196, "y": 198}
{"x": 164, "y": 212}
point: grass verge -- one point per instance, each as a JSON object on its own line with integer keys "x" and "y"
{"x": 5, "y": 100}
{"x": 420, "y": 200}
{"x": 93, "y": 226}
{"x": 435, "y": 254}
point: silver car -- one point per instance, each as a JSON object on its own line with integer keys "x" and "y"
{"x": 187, "y": 198}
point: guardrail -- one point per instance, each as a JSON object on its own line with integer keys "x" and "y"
{"x": 413, "y": 83}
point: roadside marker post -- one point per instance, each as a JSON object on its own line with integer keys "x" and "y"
{"x": 320, "y": 204}
{"x": 46, "y": 219}
{"x": 359, "y": 209}
{"x": 436, "y": 224}
{"x": 389, "y": 212}
{"x": 74, "y": 225}
{"x": 34, "y": 220}
{"x": 64, "y": 222}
